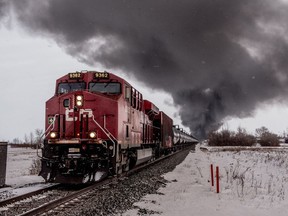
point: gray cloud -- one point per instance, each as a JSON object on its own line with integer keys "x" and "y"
{"x": 216, "y": 58}
{"x": 3, "y": 8}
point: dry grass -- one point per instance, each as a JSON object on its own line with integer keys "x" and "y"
{"x": 35, "y": 167}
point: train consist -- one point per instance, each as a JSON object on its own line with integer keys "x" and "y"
{"x": 97, "y": 123}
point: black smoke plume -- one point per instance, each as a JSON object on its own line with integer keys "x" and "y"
{"x": 3, "y": 9}
{"x": 217, "y": 58}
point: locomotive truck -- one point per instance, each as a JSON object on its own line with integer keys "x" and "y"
{"x": 97, "y": 124}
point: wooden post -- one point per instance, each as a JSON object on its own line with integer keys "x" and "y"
{"x": 212, "y": 175}
{"x": 217, "y": 179}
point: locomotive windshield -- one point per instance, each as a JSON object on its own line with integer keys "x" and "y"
{"x": 69, "y": 87}
{"x": 105, "y": 87}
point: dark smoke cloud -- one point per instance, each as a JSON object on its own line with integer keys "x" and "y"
{"x": 217, "y": 58}
{"x": 3, "y": 9}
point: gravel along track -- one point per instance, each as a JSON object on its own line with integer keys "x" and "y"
{"x": 120, "y": 196}
{"x": 35, "y": 201}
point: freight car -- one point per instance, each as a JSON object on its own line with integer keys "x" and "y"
{"x": 97, "y": 124}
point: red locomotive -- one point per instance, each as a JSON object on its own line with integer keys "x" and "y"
{"x": 98, "y": 123}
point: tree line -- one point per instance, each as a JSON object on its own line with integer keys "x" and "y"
{"x": 241, "y": 138}
{"x": 33, "y": 138}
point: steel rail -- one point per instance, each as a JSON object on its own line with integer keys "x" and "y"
{"x": 27, "y": 195}
{"x": 61, "y": 201}
{"x": 55, "y": 203}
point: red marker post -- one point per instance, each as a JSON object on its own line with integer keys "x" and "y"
{"x": 212, "y": 175}
{"x": 217, "y": 180}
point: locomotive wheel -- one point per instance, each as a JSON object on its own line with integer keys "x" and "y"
{"x": 126, "y": 166}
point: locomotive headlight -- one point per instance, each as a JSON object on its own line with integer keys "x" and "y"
{"x": 53, "y": 135}
{"x": 79, "y": 103}
{"x": 79, "y": 100}
{"x": 92, "y": 135}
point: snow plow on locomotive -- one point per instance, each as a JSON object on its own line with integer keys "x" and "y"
{"x": 97, "y": 124}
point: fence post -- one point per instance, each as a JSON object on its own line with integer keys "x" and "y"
{"x": 217, "y": 179}
{"x": 212, "y": 175}
{"x": 3, "y": 160}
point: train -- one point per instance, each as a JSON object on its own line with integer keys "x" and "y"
{"x": 97, "y": 124}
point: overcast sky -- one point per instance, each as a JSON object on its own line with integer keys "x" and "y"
{"x": 30, "y": 65}
{"x": 213, "y": 68}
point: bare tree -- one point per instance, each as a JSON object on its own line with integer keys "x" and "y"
{"x": 26, "y": 139}
{"x": 38, "y": 134}
{"x": 31, "y": 138}
{"x": 16, "y": 141}
{"x": 241, "y": 130}
{"x": 260, "y": 131}
{"x": 266, "y": 138}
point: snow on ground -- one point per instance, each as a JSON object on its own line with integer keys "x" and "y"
{"x": 18, "y": 177}
{"x": 252, "y": 182}
{"x": 19, "y": 164}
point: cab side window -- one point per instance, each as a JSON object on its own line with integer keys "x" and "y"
{"x": 136, "y": 99}
{"x": 128, "y": 93}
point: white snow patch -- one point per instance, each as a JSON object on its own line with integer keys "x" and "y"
{"x": 19, "y": 163}
{"x": 251, "y": 183}
{"x": 18, "y": 178}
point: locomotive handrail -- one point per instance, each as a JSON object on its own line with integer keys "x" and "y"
{"x": 54, "y": 117}
{"x": 53, "y": 124}
{"x": 107, "y": 133}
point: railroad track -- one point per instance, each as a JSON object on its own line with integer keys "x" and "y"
{"x": 65, "y": 202}
{"x": 14, "y": 199}
{"x": 16, "y": 205}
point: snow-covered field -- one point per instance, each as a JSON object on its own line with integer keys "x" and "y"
{"x": 252, "y": 182}
{"x": 19, "y": 164}
{"x": 18, "y": 178}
